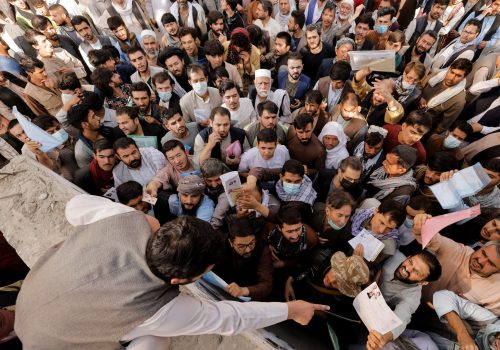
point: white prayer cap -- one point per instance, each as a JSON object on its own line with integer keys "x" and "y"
{"x": 148, "y": 32}
{"x": 266, "y": 73}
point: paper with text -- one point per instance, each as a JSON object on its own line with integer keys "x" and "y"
{"x": 371, "y": 246}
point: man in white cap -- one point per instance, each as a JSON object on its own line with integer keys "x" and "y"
{"x": 151, "y": 46}
{"x": 262, "y": 91}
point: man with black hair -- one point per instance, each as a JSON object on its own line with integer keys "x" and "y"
{"x": 125, "y": 38}
{"x": 371, "y": 151}
{"x": 60, "y": 16}
{"x": 214, "y": 52}
{"x": 130, "y": 124}
{"x": 268, "y": 119}
{"x": 364, "y": 24}
{"x": 189, "y": 45}
{"x": 178, "y": 129}
{"x": 102, "y": 58}
{"x": 232, "y": 17}
{"x": 241, "y": 108}
{"x": 164, "y": 85}
{"x": 292, "y": 80}
{"x": 148, "y": 111}
{"x": 295, "y": 24}
{"x": 145, "y": 72}
{"x": 130, "y": 193}
{"x": 336, "y": 85}
{"x": 419, "y": 52}
{"x": 380, "y": 32}
{"x": 313, "y": 106}
{"x": 347, "y": 178}
{"x": 264, "y": 20}
{"x": 190, "y": 199}
{"x": 425, "y": 22}
{"x": 175, "y": 62}
{"x": 451, "y": 142}
{"x": 171, "y": 38}
{"x": 217, "y": 30}
{"x": 282, "y": 48}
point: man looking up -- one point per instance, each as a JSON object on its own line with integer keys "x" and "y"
{"x": 268, "y": 119}
{"x": 145, "y": 72}
{"x": 190, "y": 199}
{"x": 178, "y": 129}
{"x": 427, "y": 22}
{"x": 131, "y": 125}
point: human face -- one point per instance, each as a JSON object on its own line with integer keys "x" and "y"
{"x": 350, "y": 175}
{"x": 344, "y": 10}
{"x": 284, "y": 6}
{"x": 150, "y": 46}
{"x": 130, "y": 156}
{"x": 213, "y": 182}
{"x": 349, "y": 107}
{"x": 411, "y": 134}
{"x": 18, "y": 132}
{"x": 105, "y": 159}
{"x": 292, "y": 232}
{"x": 116, "y": 80}
{"x": 411, "y": 77}
{"x": 85, "y": 31}
{"x": 38, "y": 76}
{"x": 495, "y": 7}
{"x": 127, "y": 124}
{"x": 491, "y": 230}
{"x": 330, "y": 280}
{"x": 384, "y": 20}
{"x": 189, "y": 201}
{"x": 244, "y": 246}
{"x": 391, "y": 165}
{"x": 337, "y": 84}
{"x": 121, "y": 33}
{"x": 110, "y": 64}
{"x": 175, "y": 65}
{"x": 178, "y": 158}
{"x": 453, "y": 77}
{"x": 311, "y": 108}
{"x": 291, "y": 178}
{"x": 330, "y": 141}
{"x": 280, "y": 46}
{"x": 394, "y": 46}
{"x": 261, "y": 13}
{"x": 139, "y": 205}
{"x": 342, "y": 52}
{"x": 459, "y": 134}
{"x": 42, "y": 10}
{"x": 469, "y": 33}
{"x": 327, "y": 17}
{"x": 218, "y": 26}
{"x": 378, "y": 99}
{"x": 268, "y": 120}
{"x": 372, "y": 151}
{"x": 381, "y": 223}
{"x": 304, "y": 135}
{"x": 141, "y": 100}
{"x": 412, "y": 270}
{"x": 291, "y": 25}
{"x": 221, "y": 125}
{"x": 266, "y": 149}
{"x": 485, "y": 261}
{"x": 215, "y": 61}
{"x": 189, "y": 45}
{"x": 232, "y": 99}
{"x": 43, "y": 46}
{"x": 93, "y": 122}
{"x": 431, "y": 176}
{"x": 361, "y": 30}
{"x": 494, "y": 179}
{"x": 424, "y": 44}
{"x": 176, "y": 124}
{"x": 340, "y": 216}
{"x": 58, "y": 16}
{"x": 50, "y": 32}
{"x": 197, "y": 77}
{"x": 437, "y": 11}
{"x": 295, "y": 69}
{"x": 263, "y": 83}
{"x": 139, "y": 61}
{"x": 313, "y": 39}
{"x": 164, "y": 86}
{"x": 172, "y": 28}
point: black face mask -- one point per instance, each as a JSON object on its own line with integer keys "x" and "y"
{"x": 348, "y": 185}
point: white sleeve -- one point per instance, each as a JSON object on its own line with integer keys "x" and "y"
{"x": 484, "y": 86}
{"x": 446, "y": 301}
{"x": 187, "y": 315}
{"x": 86, "y": 58}
{"x": 410, "y": 30}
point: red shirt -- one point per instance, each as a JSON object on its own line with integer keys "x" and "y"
{"x": 392, "y": 141}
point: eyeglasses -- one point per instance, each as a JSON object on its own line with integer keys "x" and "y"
{"x": 244, "y": 247}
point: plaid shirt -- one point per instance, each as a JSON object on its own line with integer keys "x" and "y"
{"x": 306, "y": 192}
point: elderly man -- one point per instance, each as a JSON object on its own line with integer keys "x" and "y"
{"x": 191, "y": 200}
{"x": 151, "y": 46}
{"x": 342, "y": 49}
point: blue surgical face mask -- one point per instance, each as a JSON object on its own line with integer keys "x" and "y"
{"x": 409, "y": 223}
{"x": 291, "y": 189}
{"x": 381, "y": 28}
{"x": 61, "y": 135}
{"x": 451, "y": 142}
{"x": 334, "y": 226}
{"x": 165, "y": 95}
{"x": 200, "y": 88}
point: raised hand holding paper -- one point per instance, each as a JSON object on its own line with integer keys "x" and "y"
{"x": 231, "y": 183}
{"x": 371, "y": 245}
{"x": 215, "y": 280}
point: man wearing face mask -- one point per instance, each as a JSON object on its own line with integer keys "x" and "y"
{"x": 405, "y": 87}
{"x": 165, "y": 85}
{"x": 450, "y": 143}
{"x": 380, "y": 32}
{"x": 417, "y": 205}
{"x": 346, "y": 177}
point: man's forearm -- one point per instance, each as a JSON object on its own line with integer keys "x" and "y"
{"x": 457, "y": 325}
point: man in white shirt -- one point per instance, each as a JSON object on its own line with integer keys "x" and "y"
{"x": 265, "y": 21}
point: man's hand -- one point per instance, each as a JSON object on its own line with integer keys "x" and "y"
{"x": 237, "y": 291}
{"x": 419, "y": 221}
{"x": 301, "y": 311}
{"x": 34, "y": 147}
{"x": 213, "y": 138}
{"x": 72, "y": 101}
{"x": 482, "y": 45}
{"x": 289, "y": 292}
{"x": 64, "y": 70}
{"x": 295, "y": 104}
{"x": 466, "y": 342}
{"x": 358, "y": 10}
{"x": 247, "y": 201}
{"x": 476, "y": 127}
{"x": 445, "y": 176}
{"x": 359, "y": 250}
{"x": 150, "y": 120}
{"x": 152, "y": 188}
{"x": 363, "y": 73}
{"x": 222, "y": 38}
{"x": 245, "y": 57}
{"x": 377, "y": 341}
{"x": 277, "y": 262}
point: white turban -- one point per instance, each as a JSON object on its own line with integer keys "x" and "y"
{"x": 337, "y": 154}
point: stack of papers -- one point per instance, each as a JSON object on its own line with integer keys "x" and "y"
{"x": 377, "y": 60}
{"x": 215, "y": 280}
{"x": 371, "y": 246}
{"x": 231, "y": 183}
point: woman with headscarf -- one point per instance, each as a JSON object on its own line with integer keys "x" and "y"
{"x": 334, "y": 139}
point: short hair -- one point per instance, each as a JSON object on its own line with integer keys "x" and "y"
{"x": 213, "y": 17}
{"x": 114, "y": 22}
{"x": 197, "y": 68}
{"x": 285, "y": 36}
{"x": 77, "y": 20}
{"x": 128, "y": 191}
{"x": 430, "y": 33}
{"x": 441, "y": 162}
{"x": 384, "y": 11}
{"x": 397, "y": 151}
{"x": 40, "y": 22}
{"x": 132, "y": 112}
{"x": 302, "y": 120}
{"x": 140, "y": 86}
{"x": 433, "y": 263}
{"x": 69, "y": 81}
{"x": 172, "y": 144}
{"x": 417, "y": 67}
{"x": 45, "y": 122}
{"x": 373, "y": 138}
{"x": 397, "y": 36}
{"x": 79, "y": 113}
{"x": 267, "y": 6}
{"x": 289, "y": 215}
{"x": 462, "y": 64}
{"x": 295, "y": 56}
{"x": 293, "y": 166}
{"x": 55, "y": 7}
{"x": 348, "y": 96}
{"x": 170, "y": 52}
{"x": 219, "y": 72}
{"x": 314, "y": 96}
{"x": 299, "y": 17}
{"x": 169, "y": 113}
{"x": 474, "y": 22}
{"x": 267, "y": 105}
{"x": 29, "y": 64}
{"x": 395, "y": 210}
{"x": 314, "y": 28}
{"x": 188, "y": 31}
{"x": 30, "y": 35}
{"x": 420, "y": 203}
{"x": 220, "y": 111}
{"x": 113, "y": 51}
{"x": 162, "y": 77}
{"x": 214, "y": 48}
{"x": 134, "y": 49}
{"x": 267, "y": 135}
{"x": 441, "y": 2}
{"x": 352, "y": 162}
{"x": 240, "y": 227}
{"x": 167, "y": 18}
{"x": 99, "y": 57}
{"x": 241, "y": 40}
{"x": 184, "y": 247}
{"x": 233, "y": 4}
{"x": 339, "y": 198}
{"x": 329, "y": 6}
{"x": 101, "y": 77}
{"x": 12, "y": 123}
{"x": 228, "y": 85}
{"x": 101, "y": 145}
{"x": 213, "y": 167}
{"x": 366, "y": 19}
{"x": 492, "y": 165}
{"x": 122, "y": 143}
{"x": 463, "y": 126}
{"x": 422, "y": 121}
{"x": 340, "y": 70}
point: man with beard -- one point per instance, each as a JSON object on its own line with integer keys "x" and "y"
{"x": 125, "y": 38}
{"x": 315, "y": 51}
{"x": 346, "y": 178}
{"x": 131, "y": 125}
{"x": 189, "y": 44}
{"x": 171, "y": 39}
{"x": 314, "y": 107}
{"x": 304, "y": 146}
{"x": 370, "y": 151}
{"x": 347, "y": 114}
{"x": 148, "y": 111}
{"x": 151, "y": 46}
{"x": 364, "y": 24}
{"x": 190, "y": 14}
{"x": 62, "y": 18}
{"x": 336, "y": 85}
{"x": 293, "y": 81}
{"x": 214, "y": 52}
{"x": 136, "y": 164}
{"x": 102, "y": 58}
{"x": 212, "y": 169}
{"x": 191, "y": 200}
{"x": 174, "y": 60}
{"x": 178, "y": 129}
{"x": 427, "y": 22}
{"x": 401, "y": 286}
{"x": 419, "y": 52}
{"x": 268, "y": 119}
{"x": 247, "y": 266}
{"x": 265, "y": 21}
{"x": 145, "y": 72}
{"x": 295, "y": 25}
{"x": 215, "y": 21}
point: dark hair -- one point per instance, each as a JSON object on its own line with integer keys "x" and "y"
{"x": 171, "y": 144}
{"x": 128, "y": 191}
{"x": 474, "y": 22}
{"x": 131, "y": 112}
{"x": 213, "y": 17}
{"x": 463, "y": 126}
{"x": 348, "y": 96}
{"x": 433, "y": 263}
{"x": 30, "y": 35}
{"x": 441, "y": 2}
{"x": 256, "y": 35}
{"x": 351, "y": 162}
{"x": 285, "y": 36}
{"x": 169, "y": 113}
{"x": 99, "y": 57}
{"x": 12, "y": 123}
{"x": 421, "y": 120}
{"x": 430, "y": 33}
{"x": 339, "y": 198}
{"x": 134, "y": 49}
{"x": 367, "y": 19}
{"x": 58, "y": 7}
{"x": 492, "y": 165}
{"x": 462, "y": 64}
{"x": 196, "y": 68}
{"x": 373, "y": 138}
{"x": 441, "y": 162}
{"x": 80, "y": 112}
{"x": 114, "y": 22}
{"x": 267, "y": 6}
{"x": 213, "y": 167}
{"x": 69, "y": 81}
{"x": 188, "y": 31}
{"x": 168, "y": 18}
{"x": 219, "y": 72}
{"x": 329, "y": 6}
{"x": 295, "y": 56}
{"x": 242, "y": 41}
{"x": 162, "y": 77}
{"x": 289, "y": 215}
{"x": 314, "y": 96}
{"x": 267, "y": 135}
{"x": 397, "y": 36}
{"x": 170, "y": 52}
{"x": 417, "y": 67}
{"x": 420, "y": 203}
{"x": 233, "y": 4}
{"x": 220, "y": 111}
{"x": 29, "y": 64}
{"x": 267, "y": 105}
{"x": 45, "y": 122}
{"x": 113, "y": 51}
{"x": 228, "y": 85}
{"x": 40, "y": 22}
{"x": 102, "y": 144}
{"x": 240, "y": 227}
{"x": 341, "y": 70}
{"x": 395, "y": 210}
{"x": 314, "y": 28}
{"x": 101, "y": 77}
{"x": 122, "y": 143}
{"x": 293, "y": 166}
{"x": 140, "y": 86}
{"x": 299, "y": 17}
{"x": 302, "y": 120}
{"x": 77, "y": 20}
{"x": 214, "y": 48}
{"x": 384, "y": 11}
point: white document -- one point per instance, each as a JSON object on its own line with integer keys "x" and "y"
{"x": 374, "y": 311}
{"x": 215, "y": 280}
{"x": 232, "y": 183}
{"x": 371, "y": 246}
{"x": 377, "y": 60}
{"x": 35, "y": 133}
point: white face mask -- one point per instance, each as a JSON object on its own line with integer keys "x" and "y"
{"x": 66, "y": 98}
{"x": 200, "y": 88}
{"x": 406, "y": 85}
{"x": 451, "y": 142}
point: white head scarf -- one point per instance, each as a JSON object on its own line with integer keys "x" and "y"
{"x": 335, "y": 155}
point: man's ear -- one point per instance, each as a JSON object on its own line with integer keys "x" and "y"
{"x": 175, "y": 280}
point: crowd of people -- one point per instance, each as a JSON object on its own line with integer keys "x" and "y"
{"x": 152, "y": 101}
